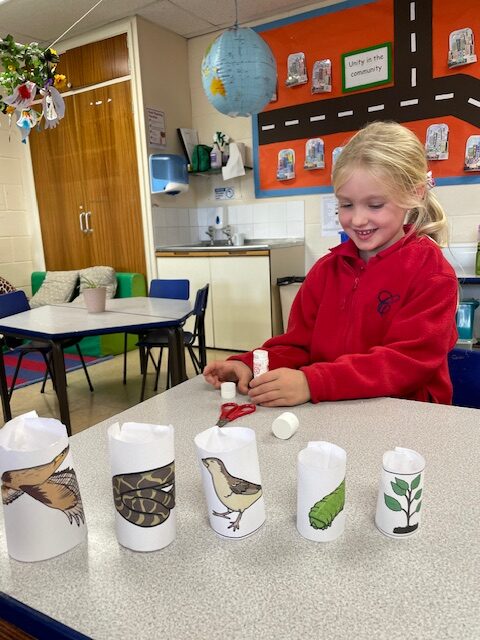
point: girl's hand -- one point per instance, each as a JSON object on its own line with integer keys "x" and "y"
{"x": 228, "y": 371}
{"x": 280, "y": 388}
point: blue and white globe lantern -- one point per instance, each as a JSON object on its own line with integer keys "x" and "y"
{"x": 239, "y": 73}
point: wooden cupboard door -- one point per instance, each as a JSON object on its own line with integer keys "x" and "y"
{"x": 110, "y": 176}
{"x": 95, "y": 62}
{"x": 57, "y": 169}
{"x": 197, "y": 271}
{"x": 241, "y": 302}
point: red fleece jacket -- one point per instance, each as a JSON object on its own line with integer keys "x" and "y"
{"x": 382, "y": 328}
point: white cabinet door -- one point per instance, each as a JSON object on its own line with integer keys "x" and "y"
{"x": 197, "y": 270}
{"x": 241, "y": 301}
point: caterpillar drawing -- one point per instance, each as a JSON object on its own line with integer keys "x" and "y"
{"x": 324, "y": 512}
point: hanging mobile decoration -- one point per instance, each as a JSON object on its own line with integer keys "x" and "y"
{"x": 29, "y": 73}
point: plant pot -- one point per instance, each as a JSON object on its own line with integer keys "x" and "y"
{"x": 95, "y": 299}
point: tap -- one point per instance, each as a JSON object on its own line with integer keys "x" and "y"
{"x": 211, "y": 234}
{"x": 227, "y": 231}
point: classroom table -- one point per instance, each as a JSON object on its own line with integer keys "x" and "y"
{"x": 54, "y": 323}
{"x": 275, "y": 584}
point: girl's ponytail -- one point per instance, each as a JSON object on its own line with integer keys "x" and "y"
{"x": 429, "y": 219}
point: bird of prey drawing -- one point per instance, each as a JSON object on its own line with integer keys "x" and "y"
{"x": 55, "y": 489}
{"x": 235, "y": 494}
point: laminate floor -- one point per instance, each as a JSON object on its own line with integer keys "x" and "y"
{"x": 110, "y": 396}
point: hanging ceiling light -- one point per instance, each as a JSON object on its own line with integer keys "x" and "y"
{"x": 239, "y": 73}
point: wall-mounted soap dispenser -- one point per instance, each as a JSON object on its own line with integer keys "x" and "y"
{"x": 168, "y": 174}
{"x": 218, "y": 218}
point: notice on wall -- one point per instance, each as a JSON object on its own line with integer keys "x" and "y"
{"x": 330, "y": 224}
{"x": 156, "y": 131}
{"x": 224, "y": 193}
{"x": 367, "y": 67}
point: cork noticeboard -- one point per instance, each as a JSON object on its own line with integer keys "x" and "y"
{"x": 422, "y": 90}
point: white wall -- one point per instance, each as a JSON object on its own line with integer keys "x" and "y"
{"x": 18, "y": 217}
{"x": 462, "y": 203}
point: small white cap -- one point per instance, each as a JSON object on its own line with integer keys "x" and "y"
{"x": 228, "y": 390}
{"x": 285, "y": 425}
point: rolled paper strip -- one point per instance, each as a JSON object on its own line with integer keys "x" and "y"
{"x": 228, "y": 390}
{"x": 42, "y": 506}
{"x": 400, "y": 493}
{"x": 260, "y": 362}
{"x": 232, "y": 485}
{"x": 285, "y": 425}
{"x": 142, "y": 461}
{"x": 321, "y": 491}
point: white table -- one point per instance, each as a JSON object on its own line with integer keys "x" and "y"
{"x": 275, "y": 584}
{"x": 54, "y": 323}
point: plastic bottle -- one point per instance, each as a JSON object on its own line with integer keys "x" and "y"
{"x": 215, "y": 157}
{"x": 477, "y": 259}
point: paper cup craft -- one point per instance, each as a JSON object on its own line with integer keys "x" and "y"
{"x": 321, "y": 491}
{"x": 231, "y": 480}
{"x": 41, "y": 499}
{"x": 400, "y": 493}
{"x": 143, "y": 478}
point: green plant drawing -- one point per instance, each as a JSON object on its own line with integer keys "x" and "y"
{"x": 405, "y": 490}
{"x": 324, "y": 512}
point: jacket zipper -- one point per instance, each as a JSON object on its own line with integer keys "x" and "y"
{"x": 349, "y": 306}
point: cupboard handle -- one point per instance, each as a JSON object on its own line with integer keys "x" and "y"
{"x": 81, "y": 219}
{"x": 87, "y": 222}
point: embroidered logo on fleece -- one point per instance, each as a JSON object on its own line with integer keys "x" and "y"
{"x": 385, "y": 300}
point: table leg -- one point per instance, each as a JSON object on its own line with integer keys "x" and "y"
{"x": 176, "y": 355}
{"x": 7, "y": 413}
{"x": 61, "y": 384}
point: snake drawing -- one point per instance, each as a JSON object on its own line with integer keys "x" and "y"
{"x": 143, "y": 498}
{"x": 55, "y": 489}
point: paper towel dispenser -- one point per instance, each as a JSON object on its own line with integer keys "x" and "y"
{"x": 168, "y": 174}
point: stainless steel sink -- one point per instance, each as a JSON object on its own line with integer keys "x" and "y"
{"x": 207, "y": 246}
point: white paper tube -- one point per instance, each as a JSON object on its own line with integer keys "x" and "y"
{"x": 41, "y": 499}
{"x": 260, "y": 362}
{"x": 142, "y": 461}
{"x": 231, "y": 480}
{"x": 321, "y": 491}
{"x": 400, "y": 494}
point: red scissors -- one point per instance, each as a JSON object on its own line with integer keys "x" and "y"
{"x": 231, "y": 411}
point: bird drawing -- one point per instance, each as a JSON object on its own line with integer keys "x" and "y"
{"x": 55, "y": 489}
{"x": 235, "y": 494}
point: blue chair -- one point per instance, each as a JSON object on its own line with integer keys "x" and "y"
{"x": 464, "y": 366}
{"x": 159, "y": 338}
{"x": 159, "y": 288}
{"x": 16, "y": 302}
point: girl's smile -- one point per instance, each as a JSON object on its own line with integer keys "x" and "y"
{"x": 368, "y": 215}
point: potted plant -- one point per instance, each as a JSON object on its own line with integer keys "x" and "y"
{"x": 95, "y": 295}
